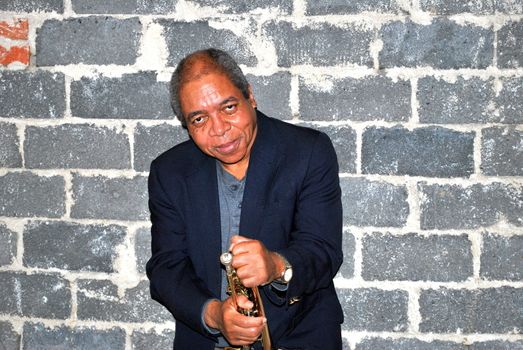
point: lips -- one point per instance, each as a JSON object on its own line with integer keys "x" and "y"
{"x": 228, "y": 147}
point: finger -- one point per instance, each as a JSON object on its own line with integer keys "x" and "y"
{"x": 244, "y": 302}
{"x": 237, "y": 239}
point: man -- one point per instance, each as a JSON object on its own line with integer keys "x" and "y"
{"x": 267, "y": 191}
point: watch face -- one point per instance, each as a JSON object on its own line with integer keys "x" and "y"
{"x": 287, "y": 275}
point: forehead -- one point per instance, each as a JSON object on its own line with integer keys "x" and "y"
{"x": 208, "y": 85}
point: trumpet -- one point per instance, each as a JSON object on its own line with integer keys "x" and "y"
{"x": 236, "y": 288}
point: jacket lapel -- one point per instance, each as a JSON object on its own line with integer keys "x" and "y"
{"x": 263, "y": 165}
{"x": 205, "y": 216}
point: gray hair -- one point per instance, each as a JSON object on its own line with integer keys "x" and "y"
{"x": 214, "y": 60}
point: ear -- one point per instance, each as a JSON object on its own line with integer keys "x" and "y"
{"x": 251, "y": 97}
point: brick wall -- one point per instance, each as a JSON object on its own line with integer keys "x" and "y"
{"x": 422, "y": 98}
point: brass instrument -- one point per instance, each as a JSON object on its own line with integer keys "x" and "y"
{"x": 235, "y": 288}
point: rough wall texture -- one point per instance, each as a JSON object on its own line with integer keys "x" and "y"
{"x": 422, "y": 98}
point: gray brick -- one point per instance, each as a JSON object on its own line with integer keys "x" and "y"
{"x": 509, "y": 6}
{"x": 370, "y": 203}
{"x": 100, "y": 197}
{"x": 462, "y": 101}
{"x": 10, "y": 151}
{"x": 336, "y": 7}
{"x": 374, "y": 310}
{"x": 272, "y": 94}
{"x": 242, "y": 6}
{"x": 36, "y": 295}
{"x": 76, "y": 146}
{"x": 132, "y": 96}
{"x": 9, "y": 339}
{"x": 142, "y": 248}
{"x": 27, "y": 195}
{"x": 32, "y": 6}
{"x": 321, "y": 44}
{"x": 71, "y": 246}
{"x": 452, "y": 7}
{"x": 88, "y": 40}
{"x": 489, "y": 310}
{"x": 432, "y": 152}
{"x": 183, "y": 38}
{"x": 99, "y": 300}
{"x": 370, "y": 98}
{"x": 142, "y": 340}
{"x": 416, "y": 258}
{"x": 509, "y": 101}
{"x": 347, "y": 268}
{"x": 497, "y": 344}
{"x": 478, "y": 205}
{"x": 151, "y": 141}
{"x": 8, "y": 243}
{"x": 502, "y": 152}
{"x": 39, "y": 337}
{"x": 158, "y": 7}
{"x": 510, "y": 41}
{"x": 501, "y": 258}
{"x": 39, "y": 94}
{"x": 344, "y": 141}
{"x": 407, "y": 344}
{"x": 442, "y": 44}
{"x": 410, "y": 343}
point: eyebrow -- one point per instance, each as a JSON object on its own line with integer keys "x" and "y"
{"x": 225, "y": 101}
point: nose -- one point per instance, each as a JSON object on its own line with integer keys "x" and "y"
{"x": 219, "y": 126}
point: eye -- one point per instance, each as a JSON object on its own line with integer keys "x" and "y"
{"x": 198, "y": 120}
{"x": 230, "y": 108}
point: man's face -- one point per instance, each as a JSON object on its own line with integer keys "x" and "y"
{"x": 220, "y": 120}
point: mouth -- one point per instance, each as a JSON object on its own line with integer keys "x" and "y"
{"x": 228, "y": 147}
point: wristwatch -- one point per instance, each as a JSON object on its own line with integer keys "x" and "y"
{"x": 286, "y": 275}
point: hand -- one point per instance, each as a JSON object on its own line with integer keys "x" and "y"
{"x": 238, "y": 329}
{"x": 255, "y": 265}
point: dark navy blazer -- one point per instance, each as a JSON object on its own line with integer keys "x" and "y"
{"x": 292, "y": 203}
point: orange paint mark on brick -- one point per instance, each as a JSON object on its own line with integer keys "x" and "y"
{"x": 17, "y": 31}
{"x": 14, "y": 54}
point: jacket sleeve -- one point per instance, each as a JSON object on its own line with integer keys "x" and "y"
{"x": 173, "y": 281}
{"x": 315, "y": 245}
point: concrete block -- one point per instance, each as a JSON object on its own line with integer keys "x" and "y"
{"x": 9, "y": 339}
{"x": 478, "y": 205}
{"x": 510, "y": 41}
{"x": 488, "y": 310}
{"x": 132, "y": 96}
{"x": 100, "y": 197}
{"x": 32, "y": 6}
{"x": 459, "y": 102}
{"x": 509, "y": 101}
{"x": 158, "y": 7}
{"x": 35, "y": 295}
{"x": 39, "y": 336}
{"x": 8, "y": 245}
{"x": 242, "y": 6}
{"x": 99, "y": 300}
{"x": 502, "y": 152}
{"x": 272, "y": 94}
{"x": 443, "y": 44}
{"x": 142, "y": 340}
{"x": 23, "y": 194}
{"x": 374, "y": 310}
{"x": 151, "y": 141}
{"x": 416, "y": 258}
{"x": 72, "y": 246}
{"x": 366, "y": 99}
{"x": 344, "y": 140}
{"x": 501, "y": 257}
{"x": 371, "y": 203}
{"x": 76, "y": 146}
{"x": 349, "y": 246}
{"x": 142, "y": 248}
{"x": 319, "y": 45}
{"x": 338, "y": 7}
{"x": 38, "y": 94}
{"x": 185, "y": 37}
{"x": 450, "y": 7}
{"x": 88, "y": 40}
{"x": 10, "y": 156}
{"x": 431, "y": 152}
